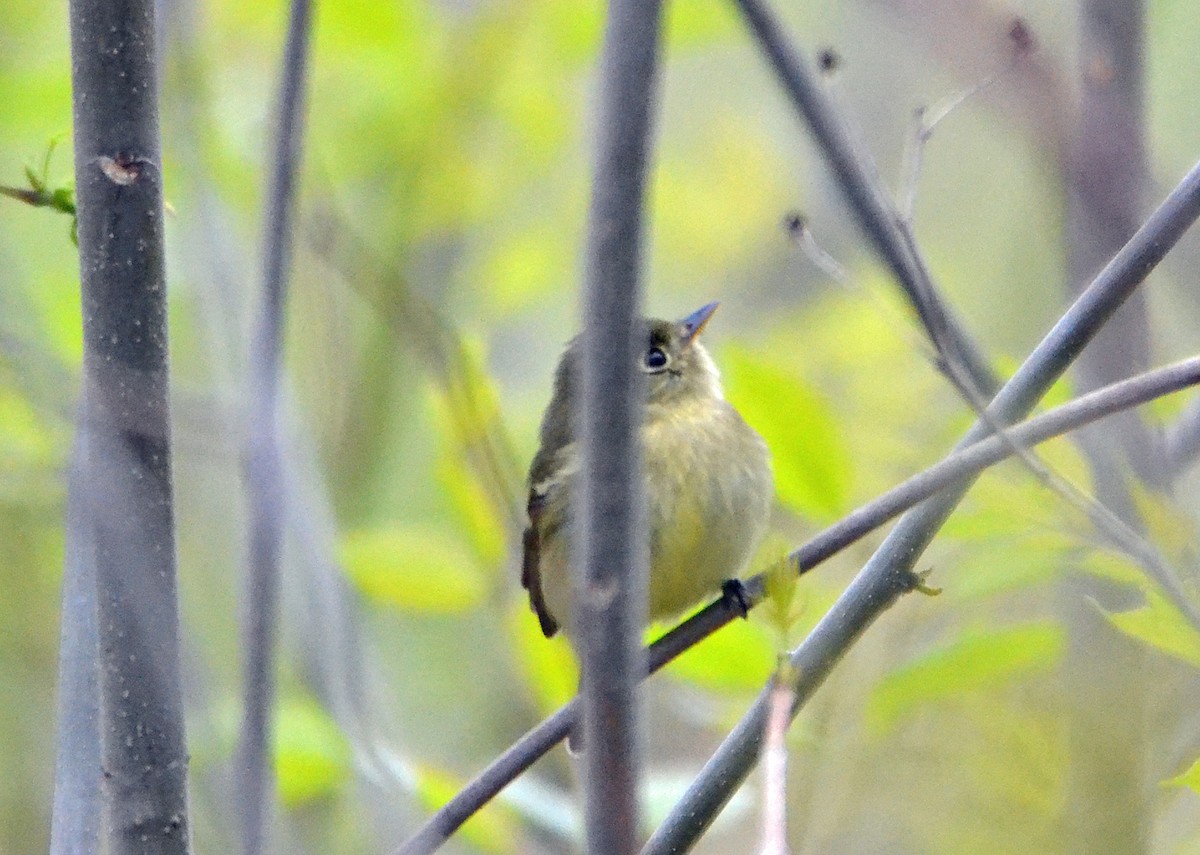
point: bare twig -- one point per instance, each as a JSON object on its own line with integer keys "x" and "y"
{"x": 264, "y": 475}
{"x": 950, "y": 358}
{"x": 800, "y": 233}
{"x": 869, "y": 201}
{"x": 889, "y": 574}
{"x": 926, "y": 120}
{"x": 422, "y": 328}
{"x": 950, "y": 471}
{"x": 779, "y": 716}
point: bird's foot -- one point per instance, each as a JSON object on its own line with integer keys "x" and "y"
{"x": 735, "y": 597}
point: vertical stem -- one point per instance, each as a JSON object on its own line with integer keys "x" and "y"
{"x": 1104, "y": 678}
{"x": 611, "y": 551}
{"x": 77, "y": 805}
{"x": 124, "y": 494}
{"x": 264, "y": 475}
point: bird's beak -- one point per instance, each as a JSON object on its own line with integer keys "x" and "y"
{"x": 691, "y": 326}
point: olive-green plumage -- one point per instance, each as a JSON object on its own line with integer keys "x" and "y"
{"x": 708, "y": 479}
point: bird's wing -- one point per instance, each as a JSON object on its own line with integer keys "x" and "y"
{"x": 531, "y": 575}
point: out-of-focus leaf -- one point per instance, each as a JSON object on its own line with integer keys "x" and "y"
{"x": 699, "y": 23}
{"x": 24, "y": 435}
{"x": 976, "y": 661}
{"x": 811, "y": 461}
{"x": 415, "y": 568}
{"x": 1114, "y": 566}
{"x": 1159, "y": 624}
{"x": 466, "y": 400}
{"x": 529, "y": 102}
{"x": 995, "y": 565}
{"x": 467, "y": 413}
{"x": 548, "y": 664}
{"x": 470, "y": 506}
{"x": 492, "y": 829}
{"x": 886, "y": 425}
{"x": 739, "y": 658}
{"x": 695, "y": 194}
{"x": 1007, "y": 504}
{"x": 523, "y": 268}
{"x": 1190, "y": 778}
{"x": 1167, "y": 526}
{"x": 312, "y": 756}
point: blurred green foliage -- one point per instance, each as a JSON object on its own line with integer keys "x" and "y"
{"x": 435, "y": 282}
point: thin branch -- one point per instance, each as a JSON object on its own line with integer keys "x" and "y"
{"x": 950, "y": 471}
{"x": 423, "y": 329}
{"x": 951, "y": 359}
{"x": 775, "y": 764}
{"x": 926, "y": 120}
{"x": 264, "y": 476}
{"x": 125, "y": 506}
{"x": 868, "y": 198}
{"x": 888, "y": 574}
{"x": 612, "y": 550}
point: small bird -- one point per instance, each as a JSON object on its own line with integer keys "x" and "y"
{"x": 707, "y": 478}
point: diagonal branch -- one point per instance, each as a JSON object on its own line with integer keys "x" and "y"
{"x": 965, "y": 463}
{"x": 888, "y": 574}
{"x": 892, "y": 231}
{"x": 869, "y": 200}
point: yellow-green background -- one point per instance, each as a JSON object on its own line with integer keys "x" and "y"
{"x": 452, "y": 139}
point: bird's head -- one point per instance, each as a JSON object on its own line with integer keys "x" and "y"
{"x": 677, "y": 367}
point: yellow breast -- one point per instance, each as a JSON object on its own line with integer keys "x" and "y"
{"x": 709, "y": 489}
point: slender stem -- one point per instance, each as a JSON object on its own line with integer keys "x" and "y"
{"x": 612, "y": 551}
{"x": 869, "y": 201}
{"x": 1106, "y": 685}
{"x": 851, "y": 528}
{"x": 265, "y": 482}
{"x": 888, "y": 573}
{"x": 77, "y": 805}
{"x": 122, "y": 499}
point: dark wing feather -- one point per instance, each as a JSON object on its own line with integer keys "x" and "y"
{"x": 556, "y": 433}
{"x": 531, "y": 576}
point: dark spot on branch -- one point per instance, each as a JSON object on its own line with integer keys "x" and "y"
{"x": 828, "y": 60}
{"x": 795, "y": 223}
{"x": 1021, "y": 37}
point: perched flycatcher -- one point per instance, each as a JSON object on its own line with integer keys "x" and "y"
{"x": 707, "y": 475}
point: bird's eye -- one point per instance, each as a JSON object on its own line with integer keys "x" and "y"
{"x": 655, "y": 358}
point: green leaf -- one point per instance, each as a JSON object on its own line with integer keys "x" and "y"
{"x": 811, "y": 461}
{"x": 1190, "y": 778}
{"x": 975, "y": 662}
{"x": 415, "y": 568}
{"x": 1161, "y": 625}
{"x": 741, "y": 657}
{"x": 548, "y": 664}
{"x": 1002, "y": 563}
{"x": 312, "y": 755}
{"x": 470, "y": 505}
